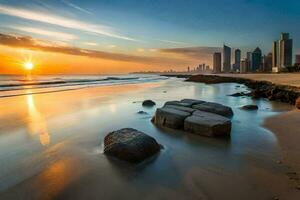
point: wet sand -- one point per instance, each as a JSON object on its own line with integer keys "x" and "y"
{"x": 286, "y": 128}
{"x": 51, "y": 147}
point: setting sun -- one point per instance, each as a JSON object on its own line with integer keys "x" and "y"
{"x": 28, "y": 65}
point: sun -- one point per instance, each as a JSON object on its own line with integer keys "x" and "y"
{"x": 28, "y": 65}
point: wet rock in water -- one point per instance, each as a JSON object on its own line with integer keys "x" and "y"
{"x": 142, "y": 112}
{"x": 170, "y": 117}
{"x": 207, "y": 124}
{"x": 130, "y": 145}
{"x": 214, "y": 108}
{"x": 181, "y": 108}
{"x": 250, "y": 107}
{"x": 177, "y": 103}
{"x": 240, "y": 94}
{"x": 297, "y": 104}
{"x": 148, "y": 103}
{"x": 192, "y": 102}
{"x": 187, "y": 115}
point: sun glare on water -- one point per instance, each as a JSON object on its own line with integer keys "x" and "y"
{"x": 28, "y": 65}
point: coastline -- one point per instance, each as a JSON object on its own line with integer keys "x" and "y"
{"x": 282, "y": 89}
{"x": 42, "y": 141}
{"x": 285, "y": 125}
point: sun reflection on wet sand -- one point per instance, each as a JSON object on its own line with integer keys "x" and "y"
{"x": 37, "y": 124}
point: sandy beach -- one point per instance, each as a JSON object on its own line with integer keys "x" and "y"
{"x": 292, "y": 79}
{"x": 51, "y": 147}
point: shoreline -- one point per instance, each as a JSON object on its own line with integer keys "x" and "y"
{"x": 273, "y": 91}
{"x": 285, "y": 126}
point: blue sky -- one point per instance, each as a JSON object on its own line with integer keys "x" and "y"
{"x": 144, "y": 25}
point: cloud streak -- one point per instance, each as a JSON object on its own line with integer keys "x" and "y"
{"x": 41, "y": 45}
{"x": 55, "y": 34}
{"x": 61, "y": 21}
{"x": 76, "y": 7}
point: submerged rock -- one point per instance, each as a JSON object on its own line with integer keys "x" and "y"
{"x": 141, "y": 112}
{"x": 207, "y": 124}
{"x": 214, "y": 108}
{"x": 250, "y": 107}
{"x": 130, "y": 145}
{"x": 148, "y": 103}
{"x": 240, "y": 94}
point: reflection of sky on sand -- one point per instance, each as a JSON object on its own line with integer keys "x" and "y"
{"x": 37, "y": 125}
{"x": 73, "y": 167}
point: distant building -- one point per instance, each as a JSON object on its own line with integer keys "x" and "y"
{"x": 285, "y": 51}
{"x": 297, "y": 59}
{"x": 249, "y": 61}
{"x": 275, "y": 56}
{"x": 244, "y": 65}
{"x": 217, "y": 62}
{"x": 237, "y": 59}
{"x": 256, "y": 60}
{"x": 267, "y": 63}
{"x": 226, "y": 58}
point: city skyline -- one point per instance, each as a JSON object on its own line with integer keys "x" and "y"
{"x": 112, "y": 37}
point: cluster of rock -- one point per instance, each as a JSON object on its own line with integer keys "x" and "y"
{"x": 195, "y": 116}
{"x": 260, "y": 89}
{"x": 130, "y": 145}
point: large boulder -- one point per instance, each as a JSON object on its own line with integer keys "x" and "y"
{"x": 214, "y": 108}
{"x": 130, "y": 145}
{"x": 298, "y": 103}
{"x": 148, "y": 103}
{"x": 170, "y": 117}
{"x": 207, "y": 124}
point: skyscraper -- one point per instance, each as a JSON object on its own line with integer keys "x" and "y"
{"x": 244, "y": 65}
{"x": 275, "y": 57}
{"x": 256, "y": 60}
{"x": 267, "y": 63}
{"x": 249, "y": 61}
{"x": 226, "y": 58}
{"x": 285, "y": 51}
{"x": 237, "y": 59}
{"x": 217, "y": 62}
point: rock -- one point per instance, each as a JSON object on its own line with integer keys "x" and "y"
{"x": 191, "y": 102}
{"x": 250, "y": 107}
{"x": 214, "y": 108}
{"x": 142, "y": 112}
{"x": 207, "y": 124}
{"x": 177, "y": 103}
{"x": 170, "y": 117}
{"x": 298, "y": 103}
{"x": 148, "y": 103}
{"x": 240, "y": 94}
{"x": 130, "y": 145}
{"x": 181, "y": 108}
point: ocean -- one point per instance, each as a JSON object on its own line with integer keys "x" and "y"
{"x": 16, "y": 85}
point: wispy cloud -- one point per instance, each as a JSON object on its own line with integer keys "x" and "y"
{"x": 76, "y": 7}
{"x": 28, "y": 42}
{"x": 54, "y": 34}
{"x": 173, "y": 42}
{"x": 90, "y": 43}
{"x": 61, "y": 21}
